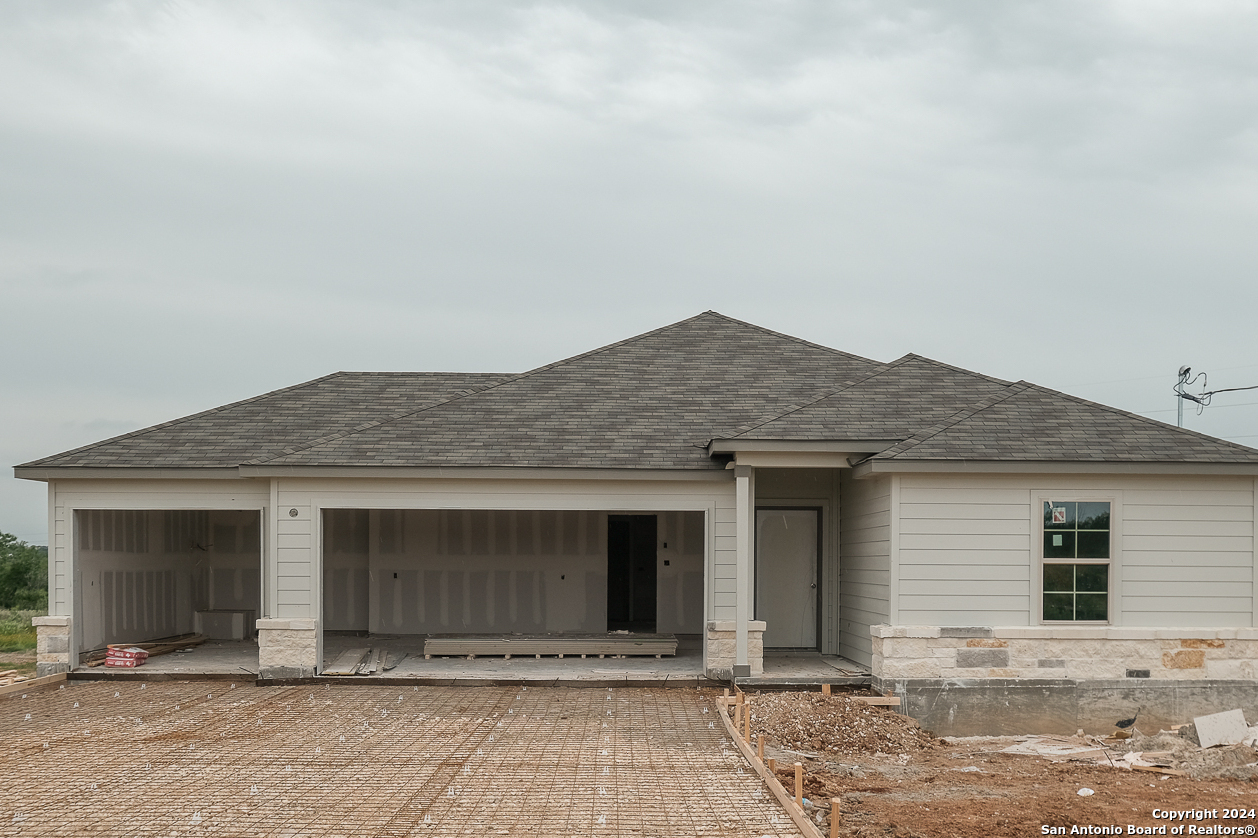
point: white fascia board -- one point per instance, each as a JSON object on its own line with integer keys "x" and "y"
{"x": 488, "y": 473}
{"x": 1032, "y": 467}
{"x": 848, "y": 447}
{"x": 121, "y": 473}
{"x": 797, "y": 459}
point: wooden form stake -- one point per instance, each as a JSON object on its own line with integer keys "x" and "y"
{"x": 825, "y": 689}
{"x": 747, "y": 723}
{"x": 768, "y": 774}
{"x": 835, "y": 803}
{"x": 799, "y": 784}
{"x": 760, "y": 746}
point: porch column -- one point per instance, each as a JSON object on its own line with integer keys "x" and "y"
{"x": 745, "y": 515}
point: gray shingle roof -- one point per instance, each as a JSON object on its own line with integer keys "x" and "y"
{"x": 894, "y": 401}
{"x": 1029, "y": 423}
{"x": 647, "y": 402}
{"x": 654, "y": 401}
{"x": 263, "y": 425}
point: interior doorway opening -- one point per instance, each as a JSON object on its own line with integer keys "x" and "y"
{"x": 631, "y": 573}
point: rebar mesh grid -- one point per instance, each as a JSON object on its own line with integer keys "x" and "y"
{"x": 206, "y": 758}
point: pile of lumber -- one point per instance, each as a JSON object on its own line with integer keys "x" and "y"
{"x": 363, "y": 662}
{"x": 11, "y": 676}
{"x": 161, "y": 646}
{"x": 538, "y": 645}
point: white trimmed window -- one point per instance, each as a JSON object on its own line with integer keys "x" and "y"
{"x": 1076, "y": 568}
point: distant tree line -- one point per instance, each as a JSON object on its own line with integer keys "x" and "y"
{"x": 23, "y": 574}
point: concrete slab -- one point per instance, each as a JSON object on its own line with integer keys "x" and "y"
{"x": 329, "y": 762}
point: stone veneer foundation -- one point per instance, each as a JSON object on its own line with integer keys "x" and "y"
{"x": 52, "y": 645}
{"x": 287, "y": 648}
{"x": 968, "y": 680}
{"x": 721, "y": 639}
{"x": 1075, "y": 652}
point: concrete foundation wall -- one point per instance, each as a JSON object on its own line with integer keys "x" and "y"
{"x": 996, "y": 706}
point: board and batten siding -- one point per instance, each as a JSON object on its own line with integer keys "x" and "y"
{"x": 969, "y": 555}
{"x": 864, "y": 562}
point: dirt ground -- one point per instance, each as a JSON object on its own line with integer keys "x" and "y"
{"x": 23, "y": 662}
{"x": 895, "y": 779}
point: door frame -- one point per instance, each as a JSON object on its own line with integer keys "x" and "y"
{"x": 755, "y": 580}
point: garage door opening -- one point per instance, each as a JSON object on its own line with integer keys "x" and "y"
{"x": 401, "y": 577}
{"x": 142, "y": 575}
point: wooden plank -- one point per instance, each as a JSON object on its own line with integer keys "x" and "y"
{"x": 347, "y": 662}
{"x": 879, "y": 700}
{"x": 536, "y": 645}
{"x": 33, "y": 684}
{"x": 801, "y": 820}
{"x": 1153, "y": 769}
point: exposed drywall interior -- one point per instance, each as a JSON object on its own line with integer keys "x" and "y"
{"x": 143, "y": 574}
{"x": 439, "y": 571}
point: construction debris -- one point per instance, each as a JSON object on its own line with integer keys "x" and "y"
{"x": 161, "y": 646}
{"x": 11, "y": 676}
{"x": 1227, "y": 728}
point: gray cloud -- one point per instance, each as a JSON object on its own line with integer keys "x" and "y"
{"x": 207, "y": 200}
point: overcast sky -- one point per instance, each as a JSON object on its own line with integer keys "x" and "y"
{"x": 205, "y": 201}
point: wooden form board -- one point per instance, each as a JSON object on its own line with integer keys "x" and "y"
{"x": 542, "y": 644}
{"x": 801, "y": 820}
{"x": 33, "y": 684}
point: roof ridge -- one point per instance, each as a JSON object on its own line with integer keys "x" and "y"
{"x": 953, "y": 367}
{"x": 464, "y": 394}
{"x": 747, "y": 427}
{"x": 800, "y": 340}
{"x": 961, "y": 415}
{"x": 182, "y": 419}
{"x": 879, "y": 370}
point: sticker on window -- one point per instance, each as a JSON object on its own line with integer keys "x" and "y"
{"x": 1056, "y": 539}
{"x": 1059, "y": 517}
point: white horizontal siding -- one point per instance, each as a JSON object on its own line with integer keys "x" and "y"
{"x": 1187, "y": 554}
{"x": 864, "y": 563}
{"x": 965, "y": 554}
{"x": 969, "y": 552}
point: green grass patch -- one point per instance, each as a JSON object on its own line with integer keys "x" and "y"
{"x": 16, "y": 632}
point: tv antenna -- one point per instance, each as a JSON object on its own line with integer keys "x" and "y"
{"x": 1202, "y": 399}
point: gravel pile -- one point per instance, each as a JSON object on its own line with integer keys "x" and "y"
{"x": 834, "y": 724}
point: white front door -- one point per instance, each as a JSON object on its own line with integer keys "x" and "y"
{"x": 786, "y": 576}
